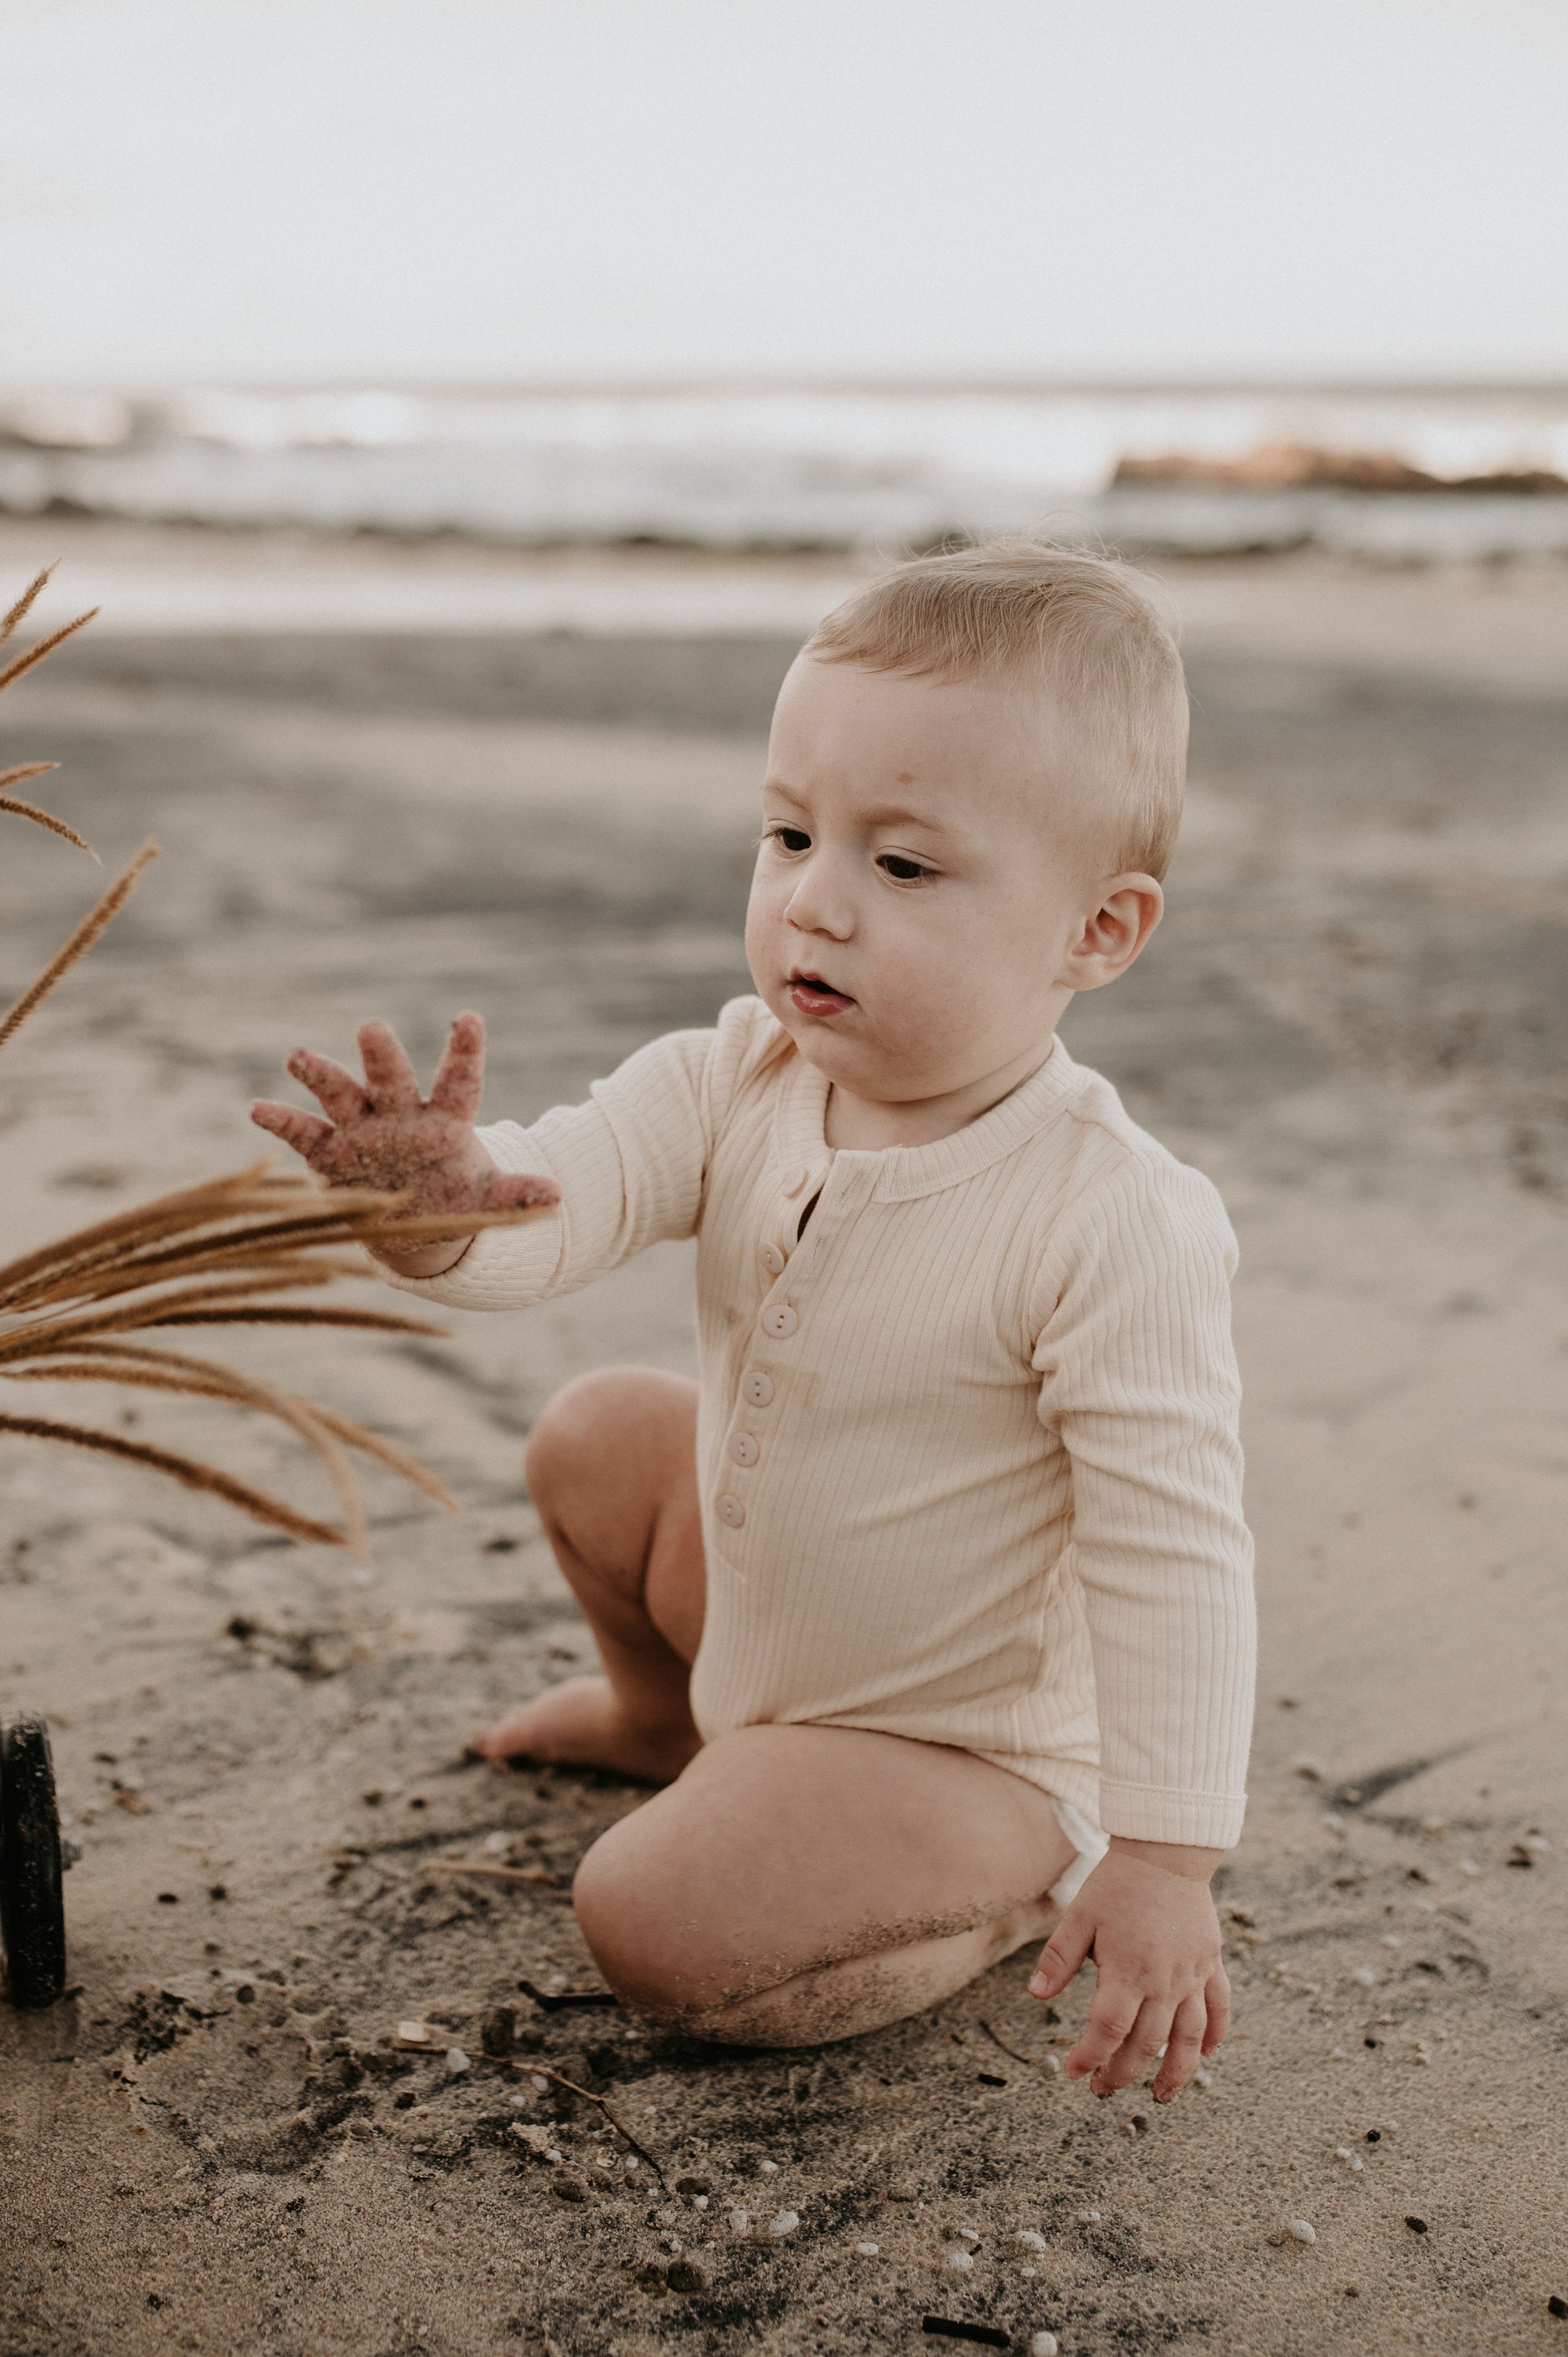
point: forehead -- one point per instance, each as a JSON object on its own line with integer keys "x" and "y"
{"x": 943, "y": 750}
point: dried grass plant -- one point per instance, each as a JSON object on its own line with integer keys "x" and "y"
{"x": 216, "y": 1254}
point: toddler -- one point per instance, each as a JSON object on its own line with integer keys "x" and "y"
{"x": 928, "y": 1605}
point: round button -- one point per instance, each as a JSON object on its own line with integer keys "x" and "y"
{"x": 780, "y": 1323}
{"x": 744, "y": 1449}
{"x": 730, "y": 1511}
{"x": 795, "y": 1180}
{"x": 757, "y": 1388}
{"x": 773, "y": 1260}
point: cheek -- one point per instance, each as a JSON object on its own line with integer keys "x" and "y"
{"x": 763, "y": 913}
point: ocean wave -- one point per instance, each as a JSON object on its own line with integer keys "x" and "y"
{"x": 1440, "y": 473}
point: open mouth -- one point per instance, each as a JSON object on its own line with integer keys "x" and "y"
{"x": 813, "y": 996}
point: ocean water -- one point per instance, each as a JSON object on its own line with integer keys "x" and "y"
{"x": 747, "y": 467}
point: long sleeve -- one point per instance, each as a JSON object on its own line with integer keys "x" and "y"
{"x": 631, "y": 1165}
{"x": 1139, "y": 1381}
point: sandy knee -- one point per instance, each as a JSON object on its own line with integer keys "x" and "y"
{"x": 650, "y": 1928}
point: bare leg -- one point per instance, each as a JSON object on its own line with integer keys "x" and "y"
{"x": 612, "y": 1469}
{"x": 793, "y": 1884}
{"x": 800, "y": 1884}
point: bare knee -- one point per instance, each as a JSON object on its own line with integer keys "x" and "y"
{"x": 632, "y": 1929}
{"x": 651, "y": 1934}
{"x": 609, "y": 1418}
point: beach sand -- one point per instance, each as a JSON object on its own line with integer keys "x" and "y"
{"x": 1354, "y": 1019}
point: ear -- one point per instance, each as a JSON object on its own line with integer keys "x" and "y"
{"x": 1124, "y": 914}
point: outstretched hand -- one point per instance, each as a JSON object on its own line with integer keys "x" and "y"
{"x": 1160, "y": 1984}
{"x": 385, "y": 1135}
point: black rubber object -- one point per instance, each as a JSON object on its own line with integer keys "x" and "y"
{"x": 32, "y": 1910}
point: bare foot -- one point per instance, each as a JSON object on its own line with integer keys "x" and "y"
{"x": 581, "y": 1724}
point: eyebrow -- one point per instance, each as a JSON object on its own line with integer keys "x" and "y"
{"x": 883, "y": 814}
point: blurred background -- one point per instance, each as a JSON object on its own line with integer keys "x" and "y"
{"x": 1191, "y": 276}
{"x": 461, "y": 410}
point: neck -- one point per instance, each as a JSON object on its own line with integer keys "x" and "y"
{"x": 859, "y": 1124}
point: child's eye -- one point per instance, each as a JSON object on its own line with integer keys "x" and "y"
{"x": 902, "y": 870}
{"x": 790, "y": 838}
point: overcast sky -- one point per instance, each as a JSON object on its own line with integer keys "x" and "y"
{"x": 525, "y": 189}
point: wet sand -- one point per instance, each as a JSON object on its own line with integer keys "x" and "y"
{"x": 1354, "y": 1019}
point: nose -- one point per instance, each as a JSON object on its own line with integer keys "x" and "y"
{"x": 819, "y": 904}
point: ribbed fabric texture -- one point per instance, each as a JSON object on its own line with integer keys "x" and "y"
{"x": 969, "y": 1460}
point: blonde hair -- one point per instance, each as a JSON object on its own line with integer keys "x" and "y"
{"x": 1079, "y": 627}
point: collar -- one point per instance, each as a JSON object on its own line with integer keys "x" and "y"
{"x": 898, "y": 1173}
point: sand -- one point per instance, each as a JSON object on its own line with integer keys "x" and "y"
{"x": 1354, "y": 1019}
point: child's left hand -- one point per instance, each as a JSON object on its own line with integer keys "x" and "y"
{"x": 1152, "y": 1929}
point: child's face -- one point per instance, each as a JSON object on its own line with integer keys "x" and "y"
{"x": 919, "y": 912}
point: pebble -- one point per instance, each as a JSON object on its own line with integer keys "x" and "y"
{"x": 1043, "y": 2344}
{"x": 1468, "y": 1866}
{"x": 699, "y": 2201}
{"x": 1343, "y": 2152}
{"x": 1027, "y": 2240}
{"x": 868, "y": 2250}
{"x": 1300, "y": 2230}
{"x": 1086, "y": 2217}
{"x": 1202, "y": 2078}
{"x": 687, "y": 2275}
{"x": 1053, "y": 2063}
{"x": 970, "y": 2234}
{"x": 785, "y": 2223}
{"x": 740, "y": 2221}
{"x": 457, "y": 2063}
{"x": 497, "y": 1844}
{"x": 958, "y": 2262}
{"x": 498, "y": 2031}
{"x": 769, "y": 2168}
{"x": 1390, "y": 1940}
{"x": 1364, "y": 1976}
{"x": 1425, "y": 1905}
{"x": 1416, "y": 2225}
{"x": 1556, "y": 2305}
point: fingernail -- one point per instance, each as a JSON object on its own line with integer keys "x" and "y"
{"x": 1040, "y": 1985}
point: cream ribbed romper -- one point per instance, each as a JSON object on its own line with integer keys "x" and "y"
{"x": 967, "y": 1446}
